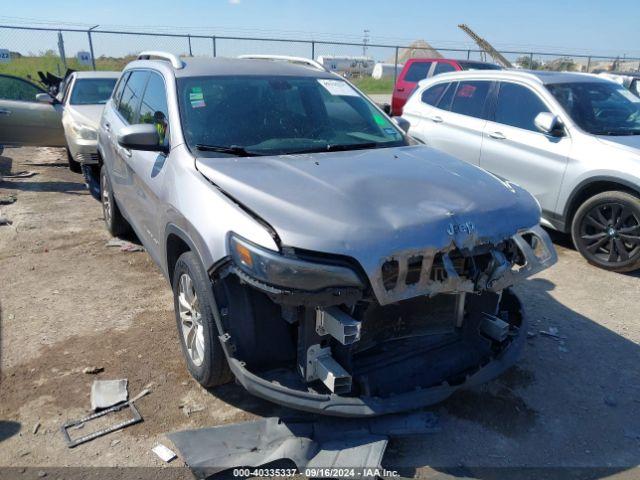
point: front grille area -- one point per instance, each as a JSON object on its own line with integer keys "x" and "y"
{"x": 485, "y": 267}
{"x": 417, "y": 267}
{"x": 87, "y": 157}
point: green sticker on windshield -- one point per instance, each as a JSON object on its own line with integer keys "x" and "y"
{"x": 196, "y": 97}
{"x": 379, "y": 119}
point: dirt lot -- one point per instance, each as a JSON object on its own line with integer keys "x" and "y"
{"x": 69, "y": 302}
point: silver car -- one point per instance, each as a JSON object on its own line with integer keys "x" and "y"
{"x": 571, "y": 139}
{"x": 83, "y": 98}
{"x": 31, "y": 116}
{"x": 314, "y": 250}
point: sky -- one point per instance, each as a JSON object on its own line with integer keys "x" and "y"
{"x": 608, "y": 28}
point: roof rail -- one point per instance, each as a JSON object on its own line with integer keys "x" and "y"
{"x": 287, "y": 58}
{"x": 175, "y": 61}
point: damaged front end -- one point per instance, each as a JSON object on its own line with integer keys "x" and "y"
{"x": 317, "y": 333}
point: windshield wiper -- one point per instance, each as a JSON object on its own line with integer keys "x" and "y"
{"x": 337, "y": 148}
{"x": 236, "y": 150}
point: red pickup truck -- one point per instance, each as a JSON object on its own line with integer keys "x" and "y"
{"x": 416, "y": 69}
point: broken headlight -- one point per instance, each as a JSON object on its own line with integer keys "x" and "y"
{"x": 84, "y": 132}
{"x": 275, "y": 269}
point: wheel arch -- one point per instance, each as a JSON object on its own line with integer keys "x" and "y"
{"x": 593, "y": 186}
{"x": 177, "y": 242}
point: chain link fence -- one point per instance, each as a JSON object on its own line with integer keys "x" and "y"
{"x": 26, "y": 50}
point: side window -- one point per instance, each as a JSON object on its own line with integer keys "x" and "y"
{"x": 443, "y": 67}
{"x": 18, "y": 89}
{"x": 470, "y": 97}
{"x": 130, "y": 100}
{"x": 417, "y": 71}
{"x": 63, "y": 94}
{"x": 432, "y": 94}
{"x": 117, "y": 92}
{"x": 447, "y": 98}
{"x": 153, "y": 108}
{"x": 518, "y": 106}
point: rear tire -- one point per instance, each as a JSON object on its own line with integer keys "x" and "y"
{"x": 606, "y": 231}
{"x": 194, "y": 304}
{"x": 113, "y": 219}
{"x": 74, "y": 166}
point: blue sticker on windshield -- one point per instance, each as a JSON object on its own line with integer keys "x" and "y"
{"x": 390, "y": 131}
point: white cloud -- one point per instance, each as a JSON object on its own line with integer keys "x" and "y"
{"x": 234, "y": 2}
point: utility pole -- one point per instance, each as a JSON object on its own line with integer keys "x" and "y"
{"x": 365, "y": 42}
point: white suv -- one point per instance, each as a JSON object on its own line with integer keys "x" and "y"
{"x": 571, "y": 139}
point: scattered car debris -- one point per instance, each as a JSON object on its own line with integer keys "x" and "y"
{"x": 189, "y": 409}
{"x": 102, "y": 392}
{"x": 124, "y": 245}
{"x": 553, "y": 333}
{"x": 23, "y": 174}
{"x": 311, "y": 442}
{"x": 74, "y": 442}
{"x": 5, "y": 220}
{"x": 115, "y": 442}
{"x": 7, "y": 199}
{"x": 164, "y": 453}
{"x": 93, "y": 370}
{"x": 36, "y": 427}
{"x": 107, "y": 393}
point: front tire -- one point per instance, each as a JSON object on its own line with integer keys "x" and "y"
{"x": 193, "y": 304}
{"x": 113, "y": 219}
{"x": 74, "y": 166}
{"x": 606, "y": 231}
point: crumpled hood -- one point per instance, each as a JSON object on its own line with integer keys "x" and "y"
{"x": 86, "y": 114}
{"x": 369, "y": 204}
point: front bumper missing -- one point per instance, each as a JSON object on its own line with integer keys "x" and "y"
{"x": 364, "y": 406}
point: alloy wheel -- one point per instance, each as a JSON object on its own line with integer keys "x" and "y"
{"x": 191, "y": 319}
{"x": 106, "y": 199}
{"x": 610, "y": 232}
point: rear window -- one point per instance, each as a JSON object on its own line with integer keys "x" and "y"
{"x": 431, "y": 95}
{"x": 417, "y": 71}
{"x": 469, "y": 98}
{"x": 478, "y": 66}
{"x": 92, "y": 91}
{"x": 443, "y": 67}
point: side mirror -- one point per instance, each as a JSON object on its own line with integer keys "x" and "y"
{"x": 143, "y": 136}
{"x": 403, "y": 123}
{"x": 45, "y": 98}
{"x": 386, "y": 108}
{"x": 549, "y": 124}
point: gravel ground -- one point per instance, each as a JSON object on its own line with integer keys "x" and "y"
{"x": 68, "y": 302}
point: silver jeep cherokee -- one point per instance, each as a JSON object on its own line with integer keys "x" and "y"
{"x": 315, "y": 251}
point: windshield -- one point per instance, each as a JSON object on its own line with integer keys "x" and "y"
{"x": 92, "y": 91}
{"x": 277, "y": 115}
{"x": 478, "y": 65}
{"x": 600, "y": 108}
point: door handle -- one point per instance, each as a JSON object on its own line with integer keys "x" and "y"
{"x": 497, "y": 135}
{"x": 107, "y": 126}
{"x": 400, "y": 89}
{"x": 435, "y": 118}
{"x": 5, "y": 112}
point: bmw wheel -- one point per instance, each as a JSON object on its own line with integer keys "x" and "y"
{"x": 193, "y": 304}
{"x": 606, "y": 231}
